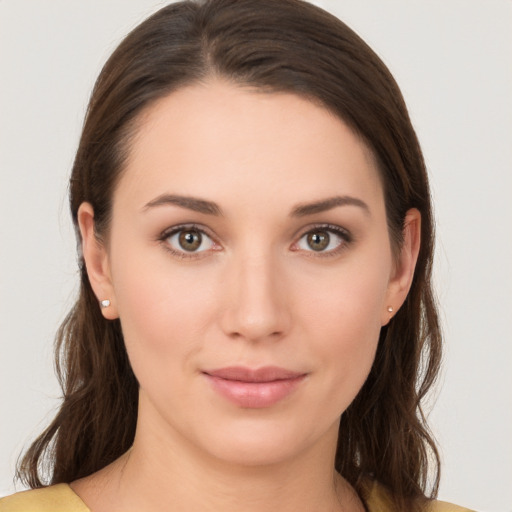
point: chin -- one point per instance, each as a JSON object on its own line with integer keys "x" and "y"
{"x": 264, "y": 442}
{"x": 255, "y": 452}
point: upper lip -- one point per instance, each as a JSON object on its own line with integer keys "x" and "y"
{"x": 263, "y": 374}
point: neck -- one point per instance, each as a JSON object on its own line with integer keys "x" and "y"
{"x": 172, "y": 480}
{"x": 165, "y": 471}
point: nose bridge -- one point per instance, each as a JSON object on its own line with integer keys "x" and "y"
{"x": 256, "y": 307}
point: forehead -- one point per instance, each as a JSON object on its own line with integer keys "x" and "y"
{"x": 222, "y": 140}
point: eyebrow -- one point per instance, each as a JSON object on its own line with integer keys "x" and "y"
{"x": 328, "y": 204}
{"x": 190, "y": 203}
{"x": 211, "y": 208}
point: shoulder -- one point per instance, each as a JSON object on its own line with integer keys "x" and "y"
{"x": 443, "y": 506}
{"x": 379, "y": 500}
{"x": 56, "y": 498}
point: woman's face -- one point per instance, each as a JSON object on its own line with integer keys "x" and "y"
{"x": 250, "y": 265}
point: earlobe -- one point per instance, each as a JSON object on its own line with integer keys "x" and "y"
{"x": 403, "y": 272}
{"x": 97, "y": 262}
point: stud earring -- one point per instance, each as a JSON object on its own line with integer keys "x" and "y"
{"x": 390, "y": 309}
{"x": 105, "y": 303}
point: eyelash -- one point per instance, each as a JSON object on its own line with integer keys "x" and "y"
{"x": 340, "y": 232}
{"x": 164, "y": 239}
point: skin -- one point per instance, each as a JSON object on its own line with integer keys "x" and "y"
{"x": 256, "y": 293}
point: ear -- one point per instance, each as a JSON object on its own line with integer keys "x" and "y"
{"x": 96, "y": 261}
{"x": 403, "y": 271}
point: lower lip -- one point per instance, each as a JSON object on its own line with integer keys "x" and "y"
{"x": 254, "y": 395}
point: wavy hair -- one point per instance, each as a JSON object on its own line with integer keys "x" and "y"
{"x": 275, "y": 46}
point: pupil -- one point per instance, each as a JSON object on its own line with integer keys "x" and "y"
{"x": 318, "y": 241}
{"x": 190, "y": 240}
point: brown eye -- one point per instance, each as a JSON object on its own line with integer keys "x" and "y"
{"x": 318, "y": 240}
{"x": 325, "y": 240}
{"x": 190, "y": 240}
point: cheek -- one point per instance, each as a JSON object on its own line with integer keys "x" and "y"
{"x": 163, "y": 316}
{"x": 352, "y": 338}
{"x": 348, "y": 299}
{"x": 345, "y": 321}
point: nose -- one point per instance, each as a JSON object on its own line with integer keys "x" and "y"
{"x": 255, "y": 307}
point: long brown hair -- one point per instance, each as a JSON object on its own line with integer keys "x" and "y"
{"x": 285, "y": 45}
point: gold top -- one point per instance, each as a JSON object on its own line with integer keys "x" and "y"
{"x": 61, "y": 498}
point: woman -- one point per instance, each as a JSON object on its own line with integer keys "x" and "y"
{"x": 255, "y": 328}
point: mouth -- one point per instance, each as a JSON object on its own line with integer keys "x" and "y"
{"x": 254, "y": 388}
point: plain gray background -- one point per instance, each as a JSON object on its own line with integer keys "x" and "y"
{"x": 453, "y": 61}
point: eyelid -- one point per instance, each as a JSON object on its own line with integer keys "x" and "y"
{"x": 332, "y": 228}
{"x": 167, "y": 233}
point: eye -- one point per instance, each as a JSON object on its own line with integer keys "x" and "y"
{"x": 188, "y": 240}
{"x": 323, "y": 240}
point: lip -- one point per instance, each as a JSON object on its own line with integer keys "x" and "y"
{"x": 254, "y": 388}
